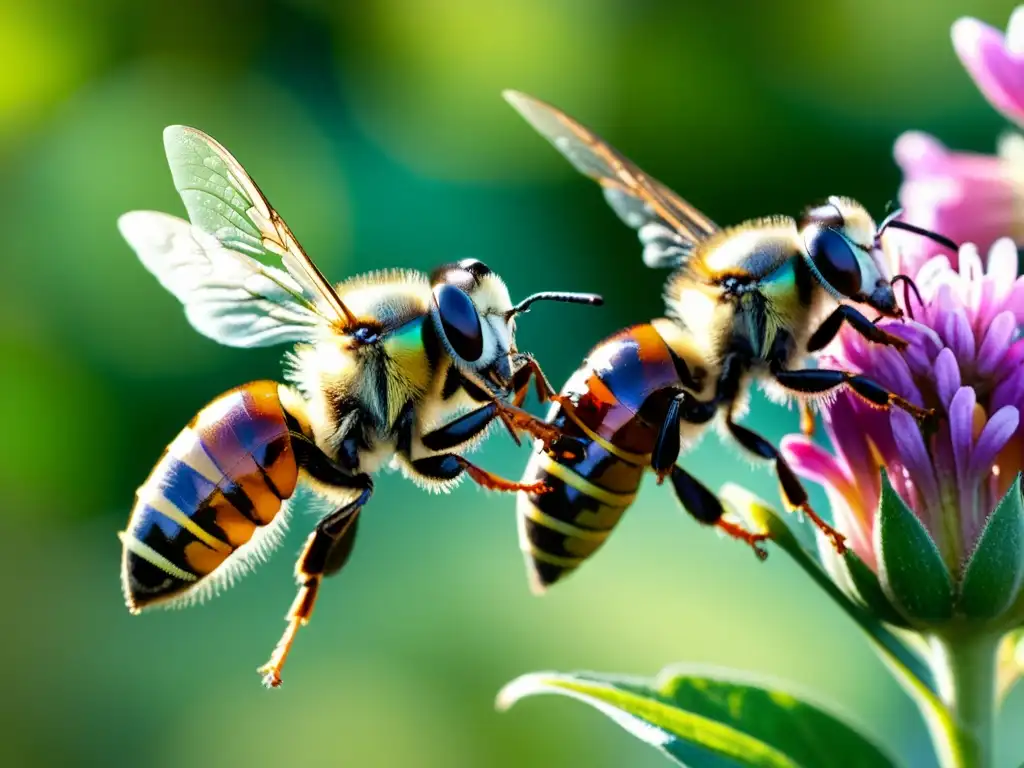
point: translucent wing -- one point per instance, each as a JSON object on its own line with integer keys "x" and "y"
{"x": 222, "y": 200}
{"x": 668, "y": 226}
{"x": 229, "y": 297}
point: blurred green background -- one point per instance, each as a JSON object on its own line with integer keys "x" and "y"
{"x": 378, "y": 131}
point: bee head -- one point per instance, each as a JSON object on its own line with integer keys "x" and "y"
{"x": 470, "y": 311}
{"x": 842, "y": 250}
{"x": 475, "y": 320}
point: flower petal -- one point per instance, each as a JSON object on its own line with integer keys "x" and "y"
{"x": 914, "y": 455}
{"x": 1014, "y": 302}
{"x": 812, "y": 462}
{"x": 920, "y": 152}
{"x": 1002, "y": 261}
{"x": 961, "y": 429}
{"x": 996, "y": 434}
{"x": 960, "y": 336}
{"x": 1015, "y": 32}
{"x": 947, "y": 376}
{"x": 997, "y": 74}
{"x": 996, "y": 342}
{"x": 1010, "y": 390}
{"x": 850, "y": 426}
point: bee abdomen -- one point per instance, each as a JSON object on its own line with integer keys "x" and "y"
{"x": 222, "y": 480}
{"x": 588, "y": 495}
{"x": 560, "y": 529}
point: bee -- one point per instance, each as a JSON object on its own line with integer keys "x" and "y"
{"x": 391, "y": 368}
{"x": 745, "y": 304}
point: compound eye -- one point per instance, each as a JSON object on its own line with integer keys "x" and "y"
{"x": 460, "y": 322}
{"x": 833, "y": 256}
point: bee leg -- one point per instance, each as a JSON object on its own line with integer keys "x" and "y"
{"x": 448, "y": 466}
{"x": 844, "y": 313}
{"x": 462, "y": 429}
{"x": 806, "y": 419}
{"x": 326, "y": 552}
{"x": 793, "y": 491}
{"x": 682, "y": 407}
{"x": 706, "y": 508}
{"x": 555, "y": 443}
{"x": 530, "y": 369}
{"x": 819, "y": 381}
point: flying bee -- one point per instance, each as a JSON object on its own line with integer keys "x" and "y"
{"x": 394, "y": 368}
{"x": 745, "y": 303}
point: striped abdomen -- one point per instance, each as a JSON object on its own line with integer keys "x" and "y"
{"x": 617, "y": 396}
{"x": 219, "y": 484}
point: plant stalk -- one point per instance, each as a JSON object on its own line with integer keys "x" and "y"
{"x": 965, "y": 674}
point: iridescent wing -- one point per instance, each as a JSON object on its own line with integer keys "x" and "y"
{"x": 668, "y": 226}
{"x": 222, "y": 266}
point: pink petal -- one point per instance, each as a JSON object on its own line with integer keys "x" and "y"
{"x": 996, "y": 434}
{"x": 887, "y": 367}
{"x": 1010, "y": 391}
{"x": 1002, "y": 261}
{"x": 929, "y": 276}
{"x": 961, "y": 429}
{"x": 1013, "y": 359}
{"x": 996, "y": 342}
{"x": 914, "y": 455}
{"x": 918, "y": 153}
{"x": 947, "y": 376}
{"x": 998, "y": 74}
{"x": 848, "y": 428}
{"x": 960, "y": 337}
{"x": 1015, "y": 301}
{"x": 1015, "y": 32}
{"x": 813, "y": 462}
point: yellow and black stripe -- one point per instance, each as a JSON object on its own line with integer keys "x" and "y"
{"x": 222, "y": 478}
{"x": 588, "y": 494}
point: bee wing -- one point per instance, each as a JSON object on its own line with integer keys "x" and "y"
{"x": 229, "y": 297}
{"x": 668, "y": 226}
{"x": 223, "y": 201}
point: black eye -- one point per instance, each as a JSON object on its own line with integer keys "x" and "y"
{"x": 460, "y": 322}
{"x": 834, "y": 258}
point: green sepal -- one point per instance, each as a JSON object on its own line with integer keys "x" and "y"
{"x": 896, "y": 652}
{"x": 912, "y": 573}
{"x": 995, "y": 570}
{"x": 868, "y": 589}
{"x": 895, "y": 647}
{"x": 689, "y": 712}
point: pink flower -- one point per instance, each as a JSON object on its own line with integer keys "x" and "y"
{"x": 995, "y": 61}
{"x": 965, "y": 360}
{"x": 965, "y": 196}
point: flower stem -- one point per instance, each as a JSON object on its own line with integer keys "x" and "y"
{"x": 965, "y": 673}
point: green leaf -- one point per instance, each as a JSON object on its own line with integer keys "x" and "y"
{"x": 911, "y": 569}
{"x": 995, "y": 570}
{"x": 687, "y": 711}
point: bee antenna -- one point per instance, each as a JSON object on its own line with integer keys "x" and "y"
{"x": 569, "y": 298}
{"x": 908, "y": 285}
{"x": 891, "y": 221}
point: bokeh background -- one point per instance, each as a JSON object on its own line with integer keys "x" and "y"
{"x": 377, "y": 129}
